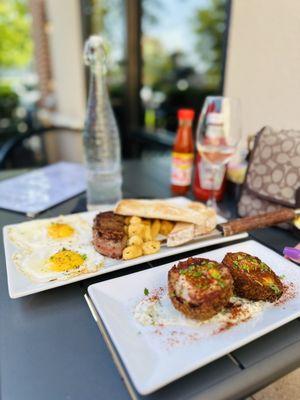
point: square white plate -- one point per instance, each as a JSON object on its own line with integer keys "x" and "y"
{"x": 155, "y": 357}
{"x": 20, "y": 285}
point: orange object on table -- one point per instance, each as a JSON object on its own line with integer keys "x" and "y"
{"x": 183, "y": 153}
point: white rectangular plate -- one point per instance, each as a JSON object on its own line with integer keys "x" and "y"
{"x": 20, "y": 285}
{"x": 155, "y": 356}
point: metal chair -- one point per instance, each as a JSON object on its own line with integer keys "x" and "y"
{"x": 15, "y": 153}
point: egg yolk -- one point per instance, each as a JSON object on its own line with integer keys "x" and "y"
{"x": 60, "y": 231}
{"x": 65, "y": 260}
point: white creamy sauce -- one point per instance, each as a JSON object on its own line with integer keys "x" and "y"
{"x": 161, "y": 312}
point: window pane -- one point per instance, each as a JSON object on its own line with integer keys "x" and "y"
{"x": 107, "y": 17}
{"x": 182, "y": 56}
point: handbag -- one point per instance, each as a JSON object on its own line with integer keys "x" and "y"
{"x": 273, "y": 176}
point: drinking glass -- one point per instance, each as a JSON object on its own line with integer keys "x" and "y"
{"x": 217, "y": 138}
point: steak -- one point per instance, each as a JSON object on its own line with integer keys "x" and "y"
{"x": 109, "y": 237}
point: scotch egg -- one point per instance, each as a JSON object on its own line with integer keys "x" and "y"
{"x": 49, "y": 264}
{"x": 60, "y": 231}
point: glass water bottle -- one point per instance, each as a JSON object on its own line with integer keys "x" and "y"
{"x": 101, "y": 135}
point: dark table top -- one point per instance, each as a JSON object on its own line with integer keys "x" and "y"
{"x": 51, "y": 348}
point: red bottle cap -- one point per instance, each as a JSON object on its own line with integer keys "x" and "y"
{"x": 186, "y": 113}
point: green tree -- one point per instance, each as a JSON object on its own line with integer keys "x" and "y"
{"x": 15, "y": 40}
{"x": 209, "y": 25}
{"x": 157, "y": 62}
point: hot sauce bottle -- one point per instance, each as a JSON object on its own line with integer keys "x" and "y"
{"x": 183, "y": 153}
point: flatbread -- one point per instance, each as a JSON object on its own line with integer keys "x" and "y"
{"x": 185, "y": 232}
{"x": 160, "y": 209}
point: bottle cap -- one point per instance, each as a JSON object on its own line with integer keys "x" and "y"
{"x": 94, "y": 51}
{"x": 186, "y": 113}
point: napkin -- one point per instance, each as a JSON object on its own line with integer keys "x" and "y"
{"x": 36, "y": 191}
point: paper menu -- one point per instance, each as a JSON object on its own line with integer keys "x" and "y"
{"x": 36, "y": 191}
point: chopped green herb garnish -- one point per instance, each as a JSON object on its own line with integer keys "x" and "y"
{"x": 221, "y": 283}
{"x": 211, "y": 265}
{"x": 215, "y": 274}
{"x": 197, "y": 274}
{"x": 264, "y": 267}
{"x": 146, "y": 291}
{"x": 281, "y": 276}
{"x": 245, "y": 267}
{"x": 183, "y": 271}
{"x": 84, "y": 256}
{"x": 192, "y": 270}
{"x": 274, "y": 287}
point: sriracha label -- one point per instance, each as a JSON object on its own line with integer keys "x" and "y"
{"x": 182, "y": 164}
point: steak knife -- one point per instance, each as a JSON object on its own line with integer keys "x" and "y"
{"x": 241, "y": 225}
{"x": 245, "y": 224}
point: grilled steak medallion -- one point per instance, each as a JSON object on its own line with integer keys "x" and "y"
{"x": 109, "y": 237}
{"x": 253, "y": 279}
{"x": 199, "y": 287}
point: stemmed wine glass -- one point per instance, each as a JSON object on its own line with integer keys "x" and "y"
{"x": 218, "y": 135}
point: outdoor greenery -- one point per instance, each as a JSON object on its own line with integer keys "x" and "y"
{"x": 159, "y": 67}
{"x": 157, "y": 62}
{"x": 8, "y": 101}
{"x": 209, "y": 25}
{"x": 15, "y": 41}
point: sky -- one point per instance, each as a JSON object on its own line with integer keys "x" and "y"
{"x": 174, "y": 27}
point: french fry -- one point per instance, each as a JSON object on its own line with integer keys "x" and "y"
{"x": 155, "y": 228}
{"x": 147, "y": 233}
{"x": 135, "y": 221}
{"x": 127, "y": 220}
{"x": 136, "y": 230}
{"x": 166, "y": 227}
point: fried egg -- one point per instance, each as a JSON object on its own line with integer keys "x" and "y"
{"x": 60, "y": 231}
{"x": 50, "y": 264}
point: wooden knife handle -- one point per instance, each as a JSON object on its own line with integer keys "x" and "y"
{"x": 258, "y": 221}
